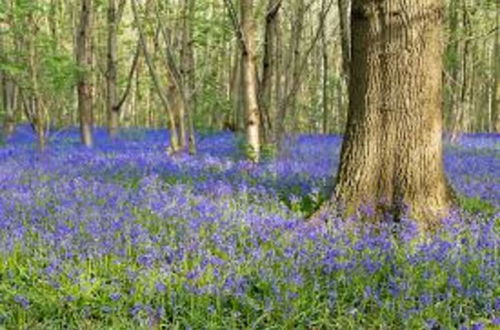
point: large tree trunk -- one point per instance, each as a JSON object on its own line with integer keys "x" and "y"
{"x": 84, "y": 58}
{"x": 250, "y": 80}
{"x": 392, "y": 152}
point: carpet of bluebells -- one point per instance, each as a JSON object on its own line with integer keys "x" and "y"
{"x": 124, "y": 237}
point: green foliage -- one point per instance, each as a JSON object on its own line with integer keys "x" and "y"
{"x": 209, "y": 30}
{"x": 477, "y": 205}
{"x": 305, "y": 204}
{"x": 11, "y": 68}
{"x": 244, "y": 150}
{"x": 211, "y": 104}
{"x": 268, "y": 151}
{"x": 59, "y": 71}
{"x": 241, "y": 146}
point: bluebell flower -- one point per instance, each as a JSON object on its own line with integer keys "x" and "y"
{"x": 160, "y": 287}
{"x": 432, "y": 324}
{"x": 478, "y": 326}
{"x": 106, "y": 309}
{"x": 134, "y": 311}
{"x": 115, "y": 296}
{"x": 23, "y": 301}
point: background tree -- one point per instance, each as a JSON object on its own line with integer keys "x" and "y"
{"x": 301, "y": 54}
{"x": 38, "y": 74}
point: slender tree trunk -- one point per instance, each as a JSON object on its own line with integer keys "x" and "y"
{"x": 279, "y": 90}
{"x": 235, "y": 90}
{"x": 84, "y": 58}
{"x": 240, "y": 101}
{"x": 325, "y": 92}
{"x": 392, "y": 151}
{"x": 9, "y": 97}
{"x": 174, "y": 137}
{"x": 33, "y": 105}
{"x": 187, "y": 71}
{"x": 175, "y": 90}
{"x": 250, "y": 80}
{"x": 179, "y": 110}
{"x": 292, "y": 79}
{"x": 496, "y": 90}
{"x": 345, "y": 36}
{"x": 453, "y": 53}
{"x": 268, "y": 67}
{"x": 8, "y": 90}
{"x": 459, "y": 123}
{"x": 111, "y": 76}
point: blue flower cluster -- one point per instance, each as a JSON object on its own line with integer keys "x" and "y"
{"x": 125, "y": 235}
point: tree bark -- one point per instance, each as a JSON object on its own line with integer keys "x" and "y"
{"x": 84, "y": 59}
{"x": 391, "y": 156}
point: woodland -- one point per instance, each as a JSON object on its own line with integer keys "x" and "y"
{"x": 249, "y": 164}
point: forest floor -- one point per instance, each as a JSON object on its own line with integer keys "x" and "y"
{"x": 124, "y": 237}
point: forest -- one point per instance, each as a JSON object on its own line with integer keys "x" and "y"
{"x": 249, "y": 164}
